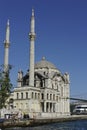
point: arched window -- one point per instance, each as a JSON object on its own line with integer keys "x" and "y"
{"x": 17, "y": 95}
{"x": 11, "y": 100}
{"x": 38, "y": 95}
{"x": 61, "y": 91}
{"x": 47, "y": 96}
{"x": 53, "y": 96}
{"x": 42, "y": 96}
{"x": 53, "y": 107}
{"x": 41, "y": 83}
{"x": 26, "y": 95}
{"x": 56, "y": 98}
{"x": 50, "y": 96}
{"x": 35, "y": 95}
{"x": 21, "y": 95}
{"x": 32, "y": 95}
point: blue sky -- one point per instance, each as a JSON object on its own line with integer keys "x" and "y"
{"x": 61, "y": 36}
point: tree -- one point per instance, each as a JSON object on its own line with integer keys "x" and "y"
{"x": 5, "y": 88}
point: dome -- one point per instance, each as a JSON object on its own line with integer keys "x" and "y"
{"x": 44, "y": 64}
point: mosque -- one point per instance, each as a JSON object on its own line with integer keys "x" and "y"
{"x": 43, "y": 91}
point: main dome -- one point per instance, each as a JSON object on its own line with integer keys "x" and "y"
{"x": 44, "y": 64}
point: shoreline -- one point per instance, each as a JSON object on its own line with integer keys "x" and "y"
{"x": 40, "y": 121}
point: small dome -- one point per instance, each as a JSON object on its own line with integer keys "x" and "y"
{"x": 44, "y": 64}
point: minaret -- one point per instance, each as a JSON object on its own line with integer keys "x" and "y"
{"x": 32, "y": 40}
{"x": 6, "y": 46}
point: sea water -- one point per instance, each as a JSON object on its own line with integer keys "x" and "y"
{"x": 72, "y": 125}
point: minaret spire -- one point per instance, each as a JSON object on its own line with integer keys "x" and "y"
{"x": 32, "y": 22}
{"x": 32, "y": 40}
{"x": 32, "y": 12}
{"x": 6, "y": 46}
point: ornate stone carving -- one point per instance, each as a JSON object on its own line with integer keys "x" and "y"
{"x": 66, "y": 77}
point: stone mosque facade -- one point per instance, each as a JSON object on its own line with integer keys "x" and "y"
{"x": 48, "y": 96}
{"x": 43, "y": 91}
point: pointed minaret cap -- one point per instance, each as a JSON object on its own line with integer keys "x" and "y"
{"x": 32, "y": 12}
{"x": 8, "y": 22}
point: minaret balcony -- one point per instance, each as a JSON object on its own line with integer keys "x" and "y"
{"x": 32, "y": 36}
{"x": 6, "y": 45}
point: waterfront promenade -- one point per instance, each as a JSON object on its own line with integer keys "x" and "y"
{"x": 40, "y": 121}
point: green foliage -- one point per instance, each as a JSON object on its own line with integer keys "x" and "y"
{"x": 5, "y": 88}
